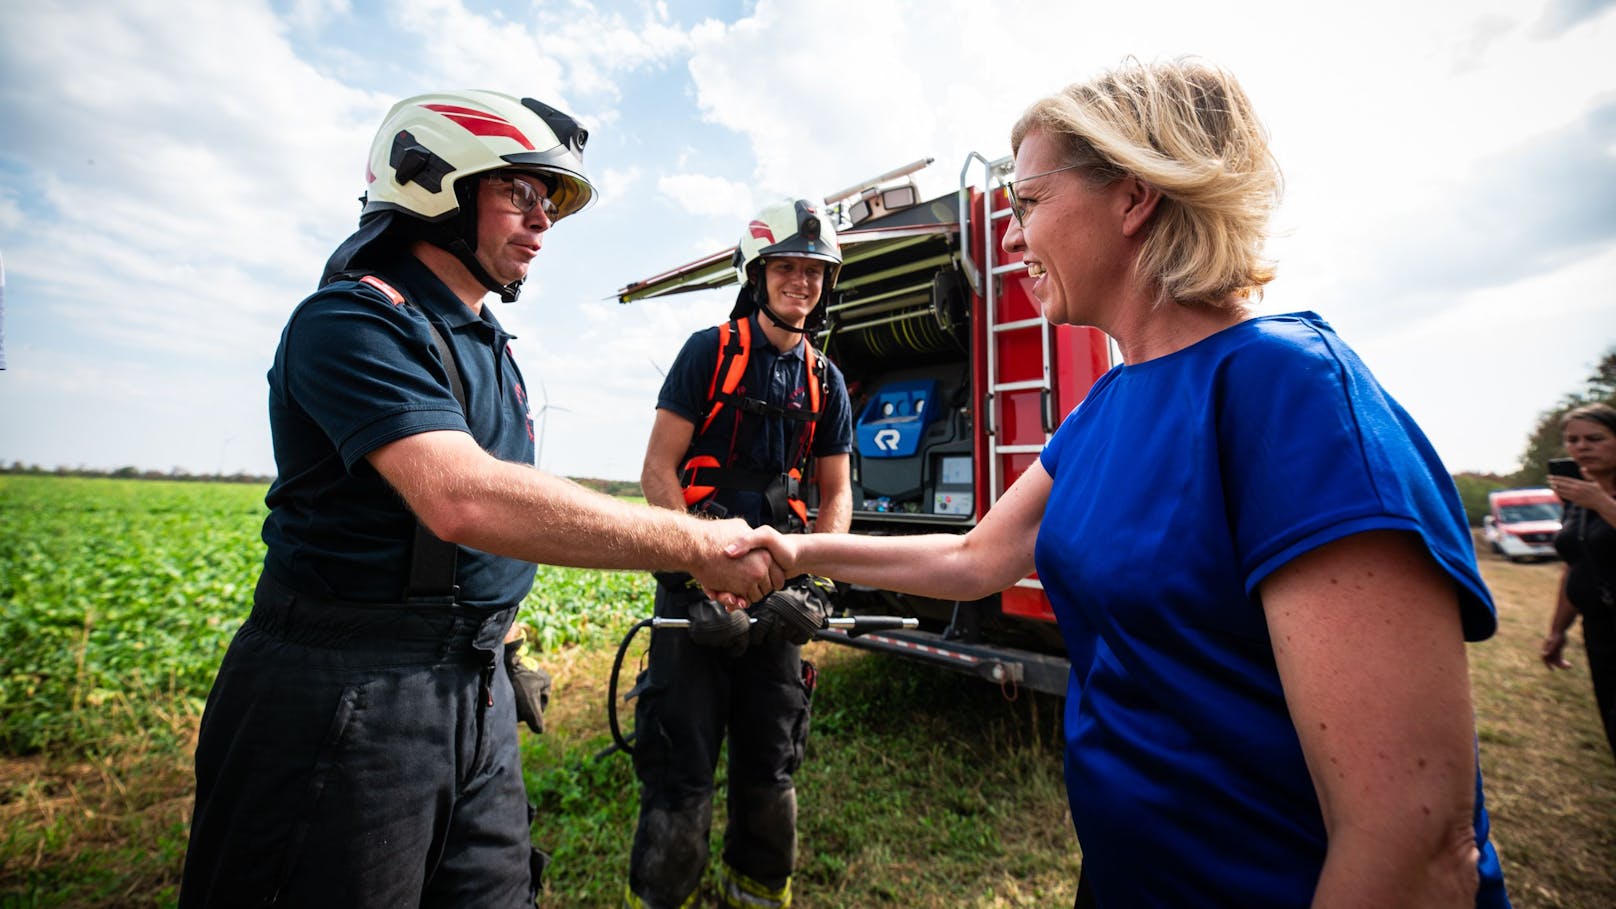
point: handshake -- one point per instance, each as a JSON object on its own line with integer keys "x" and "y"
{"x": 756, "y": 565}
{"x": 739, "y": 564}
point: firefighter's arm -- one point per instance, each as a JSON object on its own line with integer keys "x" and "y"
{"x": 466, "y": 496}
{"x": 994, "y": 555}
{"x": 833, "y": 476}
{"x": 659, "y": 474}
{"x": 1367, "y": 639}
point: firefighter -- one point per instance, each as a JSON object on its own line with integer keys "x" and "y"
{"x": 358, "y": 747}
{"x": 747, "y": 409}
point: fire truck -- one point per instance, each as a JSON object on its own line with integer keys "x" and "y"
{"x": 956, "y": 383}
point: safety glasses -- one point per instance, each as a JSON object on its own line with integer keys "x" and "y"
{"x": 525, "y": 195}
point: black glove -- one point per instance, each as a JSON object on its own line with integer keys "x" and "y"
{"x": 794, "y": 612}
{"x": 530, "y": 683}
{"x": 711, "y": 625}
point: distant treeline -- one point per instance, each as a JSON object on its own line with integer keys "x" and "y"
{"x": 610, "y": 487}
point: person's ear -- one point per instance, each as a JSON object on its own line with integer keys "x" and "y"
{"x": 1139, "y": 203}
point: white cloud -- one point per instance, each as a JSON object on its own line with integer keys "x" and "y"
{"x": 1476, "y": 374}
{"x": 706, "y": 195}
{"x": 174, "y": 177}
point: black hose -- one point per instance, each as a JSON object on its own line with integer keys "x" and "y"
{"x": 622, "y": 744}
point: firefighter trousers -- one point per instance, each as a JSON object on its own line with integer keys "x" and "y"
{"x": 360, "y": 756}
{"x": 690, "y": 697}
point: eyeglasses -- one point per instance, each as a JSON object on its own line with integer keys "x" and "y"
{"x": 1018, "y": 207}
{"x": 525, "y": 197}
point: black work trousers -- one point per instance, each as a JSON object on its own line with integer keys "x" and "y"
{"x": 1599, "y": 638}
{"x": 690, "y": 698}
{"x": 357, "y": 755}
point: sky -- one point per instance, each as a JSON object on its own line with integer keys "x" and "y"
{"x": 174, "y": 173}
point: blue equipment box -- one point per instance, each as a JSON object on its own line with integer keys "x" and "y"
{"x": 893, "y": 422}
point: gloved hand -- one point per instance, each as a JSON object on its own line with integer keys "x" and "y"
{"x": 530, "y": 683}
{"x": 794, "y": 612}
{"x": 711, "y": 625}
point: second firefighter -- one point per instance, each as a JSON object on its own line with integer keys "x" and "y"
{"x": 750, "y": 419}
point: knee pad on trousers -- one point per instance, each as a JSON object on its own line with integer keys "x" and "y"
{"x": 669, "y": 855}
{"x": 760, "y": 840}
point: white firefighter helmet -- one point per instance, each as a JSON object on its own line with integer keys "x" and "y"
{"x": 429, "y": 143}
{"x": 789, "y": 227}
{"x": 416, "y": 176}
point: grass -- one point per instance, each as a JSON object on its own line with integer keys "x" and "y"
{"x": 921, "y": 788}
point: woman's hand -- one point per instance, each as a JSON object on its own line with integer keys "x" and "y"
{"x": 1553, "y": 650}
{"x": 1586, "y": 493}
{"x": 784, "y": 548}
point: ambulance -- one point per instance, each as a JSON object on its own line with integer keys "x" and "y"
{"x": 1521, "y": 523}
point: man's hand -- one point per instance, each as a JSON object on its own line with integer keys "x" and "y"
{"x": 782, "y": 547}
{"x": 735, "y": 580}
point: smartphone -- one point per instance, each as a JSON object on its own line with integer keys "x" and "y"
{"x": 1564, "y": 467}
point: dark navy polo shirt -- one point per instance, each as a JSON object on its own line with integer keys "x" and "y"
{"x": 762, "y": 444}
{"x": 353, "y": 373}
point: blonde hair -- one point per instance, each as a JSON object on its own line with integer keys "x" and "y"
{"x": 1188, "y": 129}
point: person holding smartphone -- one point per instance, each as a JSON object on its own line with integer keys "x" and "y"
{"x": 1587, "y": 543}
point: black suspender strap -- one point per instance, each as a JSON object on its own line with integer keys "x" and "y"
{"x": 432, "y": 561}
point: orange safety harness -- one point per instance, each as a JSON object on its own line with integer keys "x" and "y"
{"x": 703, "y": 474}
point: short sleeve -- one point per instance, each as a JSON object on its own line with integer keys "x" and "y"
{"x": 1312, "y": 449}
{"x": 366, "y": 372}
{"x": 684, "y": 388}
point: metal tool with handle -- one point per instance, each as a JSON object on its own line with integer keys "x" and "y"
{"x": 851, "y": 626}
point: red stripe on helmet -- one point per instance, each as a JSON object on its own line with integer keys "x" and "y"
{"x": 481, "y": 123}
{"x": 761, "y": 231}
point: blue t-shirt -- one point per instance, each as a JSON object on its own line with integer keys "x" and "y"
{"x": 353, "y": 373}
{"x": 1179, "y": 485}
{"x": 751, "y": 441}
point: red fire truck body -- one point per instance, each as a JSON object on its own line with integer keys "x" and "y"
{"x": 956, "y": 384}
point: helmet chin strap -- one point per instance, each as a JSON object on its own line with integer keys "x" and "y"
{"x": 779, "y": 322}
{"x": 458, "y": 236}
{"x": 761, "y": 296}
{"x": 462, "y": 251}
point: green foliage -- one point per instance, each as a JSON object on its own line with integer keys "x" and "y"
{"x": 915, "y": 782}
{"x": 119, "y": 597}
{"x": 571, "y": 606}
{"x": 118, "y": 600}
{"x": 1473, "y": 489}
{"x": 1544, "y": 443}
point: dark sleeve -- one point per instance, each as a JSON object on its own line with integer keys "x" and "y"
{"x": 365, "y": 371}
{"x": 684, "y": 388}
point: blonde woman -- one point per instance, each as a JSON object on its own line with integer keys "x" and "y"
{"x": 1269, "y": 703}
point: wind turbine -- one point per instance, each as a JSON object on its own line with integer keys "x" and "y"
{"x": 541, "y": 416}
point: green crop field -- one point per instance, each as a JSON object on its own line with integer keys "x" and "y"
{"x": 119, "y": 590}
{"x": 922, "y": 788}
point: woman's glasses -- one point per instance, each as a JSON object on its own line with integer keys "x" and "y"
{"x": 1018, "y": 207}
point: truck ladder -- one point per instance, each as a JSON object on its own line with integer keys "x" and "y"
{"x": 985, "y": 281}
